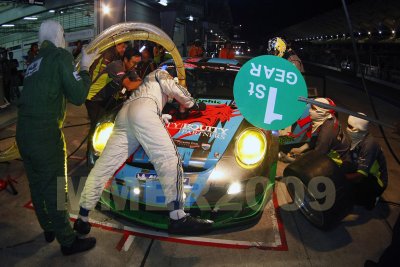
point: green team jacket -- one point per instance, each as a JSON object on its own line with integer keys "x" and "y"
{"x": 51, "y": 80}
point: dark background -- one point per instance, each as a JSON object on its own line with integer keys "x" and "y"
{"x": 261, "y": 19}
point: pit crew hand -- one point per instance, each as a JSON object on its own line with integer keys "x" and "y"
{"x": 199, "y": 106}
{"x": 166, "y": 118}
{"x": 182, "y": 115}
{"x": 296, "y": 150}
{"x": 299, "y": 150}
{"x": 87, "y": 59}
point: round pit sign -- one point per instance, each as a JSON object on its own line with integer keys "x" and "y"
{"x": 266, "y": 91}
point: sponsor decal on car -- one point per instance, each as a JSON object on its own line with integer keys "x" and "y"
{"x": 196, "y": 129}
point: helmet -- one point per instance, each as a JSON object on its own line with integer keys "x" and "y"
{"x": 276, "y": 46}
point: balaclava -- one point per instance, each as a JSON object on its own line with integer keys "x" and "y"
{"x": 52, "y": 31}
{"x": 319, "y": 115}
{"x": 357, "y": 129}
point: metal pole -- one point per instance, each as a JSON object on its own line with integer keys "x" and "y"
{"x": 125, "y": 11}
{"x": 101, "y": 15}
{"x": 343, "y": 110}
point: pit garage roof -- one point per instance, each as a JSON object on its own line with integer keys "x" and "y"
{"x": 21, "y": 21}
{"x": 366, "y": 16}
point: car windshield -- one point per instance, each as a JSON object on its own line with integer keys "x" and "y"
{"x": 210, "y": 83}
{"x": 207, "y": 79}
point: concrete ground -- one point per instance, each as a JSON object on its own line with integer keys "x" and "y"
{"x": 280, "y": 238}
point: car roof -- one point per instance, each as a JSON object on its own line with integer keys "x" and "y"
{"x": 217, "y": 64}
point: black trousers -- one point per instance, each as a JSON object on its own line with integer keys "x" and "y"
{"x": 391, "y": 255}
{"x": 366, "y": 191}
{"x": 95, "y": 110}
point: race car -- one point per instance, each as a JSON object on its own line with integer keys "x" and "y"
{"x": 229, "y": 165}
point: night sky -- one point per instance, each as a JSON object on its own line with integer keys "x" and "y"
{"x": 262, "y": 19}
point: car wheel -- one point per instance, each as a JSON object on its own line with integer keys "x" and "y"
{"x": 317, "y": 179}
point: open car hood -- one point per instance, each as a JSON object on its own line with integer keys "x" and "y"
{"x": 202, "y": 138}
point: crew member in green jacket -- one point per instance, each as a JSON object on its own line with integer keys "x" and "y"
{"x": 51, "y": 80}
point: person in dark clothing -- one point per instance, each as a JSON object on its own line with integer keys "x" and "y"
{"x": 390, "y": 256}
{"x": 5, "y": 69}
{"x": 368, "y": 174}
{"x": 32, "y": 53}
{"x": 100, "y": 79}
{"x": 50, "y": 81}
{"x": 146, "y": 65}
{"x": 77, "y": 50}
{"x": 15, "y": 79}
{"x": 117, "y": 74}
{"x": 328, "y": 138}
{"x": 278, "y": 47}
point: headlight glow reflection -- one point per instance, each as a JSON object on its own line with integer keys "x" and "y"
{"x": 234, "y": 188}
{"x": 136, "y": 191}
{"x": 101, "y": 135}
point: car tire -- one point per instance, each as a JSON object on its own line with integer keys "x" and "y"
{"x": 308, "y": 167}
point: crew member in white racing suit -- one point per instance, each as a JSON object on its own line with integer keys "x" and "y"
{"x": 140, "y": 122}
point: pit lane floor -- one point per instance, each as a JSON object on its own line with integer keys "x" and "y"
{"x": 362, "y": 235}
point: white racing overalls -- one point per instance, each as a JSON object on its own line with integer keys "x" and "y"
{"x": 139, "y": 122}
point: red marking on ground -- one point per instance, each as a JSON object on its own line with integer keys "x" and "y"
{"x": 198, "y": 241}
{"x": 283, "y": 246}
{"x": 121, "y": 243}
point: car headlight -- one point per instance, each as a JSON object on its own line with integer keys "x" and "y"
{"x": 250, "y": 148}
{"x": 101, "y": 135}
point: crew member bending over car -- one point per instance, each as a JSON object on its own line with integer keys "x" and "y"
{"x": 329, "y": 138}
{"x": 140, "y": 122}
{"x": 369, "y": 175}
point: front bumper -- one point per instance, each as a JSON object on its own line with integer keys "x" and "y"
{"x": 213, "y": 203}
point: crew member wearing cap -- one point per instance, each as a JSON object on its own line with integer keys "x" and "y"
{"x": 118, "y": 74}
{"x": 328, "y": 137}
{"x": 369, "y": 173}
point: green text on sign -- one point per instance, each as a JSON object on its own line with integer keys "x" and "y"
{"x": 266, "y": 90}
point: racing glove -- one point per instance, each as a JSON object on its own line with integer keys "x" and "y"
{"x": 87, "y": 59}
{"x": 166, "y": 118}
{"x": 199, "y": 106}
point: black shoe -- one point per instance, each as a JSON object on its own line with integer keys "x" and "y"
{"x": 79, "y": 245}
{"x": 189, "y": 225}
{"x": 49, "y": 236}
{"x": 369, "y": 263}
{"x": 81, "y": 227}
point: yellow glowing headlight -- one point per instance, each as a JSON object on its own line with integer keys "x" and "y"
{"x": 101, "y": 135}
{"x": 250, "y": 148}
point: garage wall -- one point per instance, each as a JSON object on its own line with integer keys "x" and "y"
{"x": 142, "y": 13}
